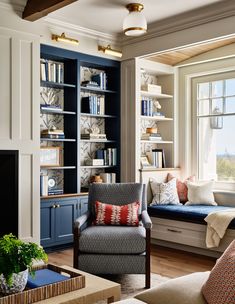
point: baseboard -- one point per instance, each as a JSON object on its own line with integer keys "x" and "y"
{"x": 201, "y": 251}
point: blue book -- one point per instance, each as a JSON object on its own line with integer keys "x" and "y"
{"x": 45, "y": 277}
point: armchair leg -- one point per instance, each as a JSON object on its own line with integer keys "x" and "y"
{"x": 75, "y": 246}
{"x": 147, "y": 263}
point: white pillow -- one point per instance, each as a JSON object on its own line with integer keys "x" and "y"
{"x": 200, "y": 193}
{"x": 164, "y": 193}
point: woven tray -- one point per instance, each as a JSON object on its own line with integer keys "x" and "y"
{"x": 28, "y": 296}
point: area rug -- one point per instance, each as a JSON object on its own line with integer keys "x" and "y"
{"x": 131, "y": 284}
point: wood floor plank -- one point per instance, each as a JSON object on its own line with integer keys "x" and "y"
{"x": 164, "y": 261}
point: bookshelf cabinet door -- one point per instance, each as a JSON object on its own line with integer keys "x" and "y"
{"x": 47, "y": 223}
{"x": 84, "y": 204}
{"x": 65, "y": 216}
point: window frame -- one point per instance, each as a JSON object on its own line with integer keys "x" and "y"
{"x": 220, "y": 185}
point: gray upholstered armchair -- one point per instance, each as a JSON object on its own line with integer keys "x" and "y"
{"x": 113, "y": 249}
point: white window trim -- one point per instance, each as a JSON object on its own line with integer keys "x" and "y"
{"x": 195, "y": 79}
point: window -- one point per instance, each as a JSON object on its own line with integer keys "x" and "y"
{"x": 215, "y": 124}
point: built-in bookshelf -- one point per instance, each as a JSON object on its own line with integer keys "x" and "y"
{"x": 156, "y": 132}
{"x": 99, "y": 127}
{"x": 70, "y": 107}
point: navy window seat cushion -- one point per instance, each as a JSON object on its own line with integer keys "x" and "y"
{"x": 192, "y": 214}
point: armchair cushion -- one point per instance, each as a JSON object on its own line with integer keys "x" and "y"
{"x": 108, "y": 214}
{"x": 182, "y": 290}
{"x": 113, "y": 240}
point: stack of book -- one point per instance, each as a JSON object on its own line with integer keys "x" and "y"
{"x": 156, "y": 158}
{"x": 55, "y": 191}
{"x": 89, "y": 84}
{"x": 49, "y": 107}
{"x": 101, "y": 79}
{"x": 94, "y": 136}
{"x": 108, "y": 178}
{"x": 108, "y": 155}
{"x": 43, "y": 185}
{"x": 93, "y": 105}
{"x": 51, "y": 71}
{"x": 53, "y": 134}
{"x": 151, "y": 136}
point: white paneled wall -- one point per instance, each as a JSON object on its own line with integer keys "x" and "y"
{"x": 19, "y": 121}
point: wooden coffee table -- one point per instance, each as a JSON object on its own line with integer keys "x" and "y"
{"x": 95, "y": 289}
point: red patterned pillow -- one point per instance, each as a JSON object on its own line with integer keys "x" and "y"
{"x": 107, "y": 214}
{"x": 182, "y": 188}
{"x": 220, "y": 286}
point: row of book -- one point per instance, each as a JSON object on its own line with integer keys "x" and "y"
{"x": 93, "y": 105}
{"x": 51, "y": 71}
{"x": 100, "y": 79}
{"x": 109, "y": 156}
{"x": 156, "y": 158}
{"x": 147, "y": 108}
{"x": 151, "y": 136}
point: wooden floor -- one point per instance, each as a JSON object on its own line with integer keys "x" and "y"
{"x": 164, "y": 261}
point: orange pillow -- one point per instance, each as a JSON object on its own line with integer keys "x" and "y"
{"x": 107, "y": 214}
{"x": 182, "y": 188}
{"x": 220, "y": 286}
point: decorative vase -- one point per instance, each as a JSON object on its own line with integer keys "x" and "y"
{"x": 19, "y": 281}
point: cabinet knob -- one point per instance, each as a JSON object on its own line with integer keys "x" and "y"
{"x": 54, "y": 206}
{"x": 57, "y": 206}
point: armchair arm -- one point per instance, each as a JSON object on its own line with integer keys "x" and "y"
{"x": 81, "y": 220}
{"x": 146, "y": 219}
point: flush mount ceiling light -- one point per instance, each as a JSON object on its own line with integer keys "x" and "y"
{"x": 63, "y": 38}
{"x": 135, "y": 23}
{"x": 109, "y": 51}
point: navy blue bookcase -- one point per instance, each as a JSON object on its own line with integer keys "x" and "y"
{"x": 74, "y": 195}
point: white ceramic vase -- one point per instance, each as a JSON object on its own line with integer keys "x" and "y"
{"x": 19, "y": 281}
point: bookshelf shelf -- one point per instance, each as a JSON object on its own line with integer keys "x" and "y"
{"x": 156, "y": 141}
{"x": 52, "y": 84}
{"x": 51, "y": 112}
{"x": 97, "y": 140}
{"x": 156, "y": 118}
{"x": 96, "y": 167}
{"x": 58, "y": 167}
{"x": 98, "y": 115}
{"x": 58, "y": 139}
{"x": 156, "y": 95}
{"x": 97, "y": 90}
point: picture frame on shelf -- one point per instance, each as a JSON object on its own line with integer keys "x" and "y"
{"x": 144, "y": 161}
{"x": 50, "y": 156}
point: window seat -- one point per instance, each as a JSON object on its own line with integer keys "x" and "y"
{"x": 191, "y": 214}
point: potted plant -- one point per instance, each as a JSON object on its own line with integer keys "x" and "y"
{"x": 16, "y": 259}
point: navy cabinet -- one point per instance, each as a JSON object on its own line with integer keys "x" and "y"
{"x": 57, "y": 218}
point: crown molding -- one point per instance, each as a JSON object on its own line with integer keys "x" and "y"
{"x": 209, "y": 13}
{"x": 82, "y": 31}
{"x": 17, "y": 5}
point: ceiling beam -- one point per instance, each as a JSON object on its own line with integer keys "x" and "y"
{"x": 36, "y": 9}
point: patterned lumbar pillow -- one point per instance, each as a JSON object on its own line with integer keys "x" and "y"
{"x": 201, "y": 193}
{"x": 220, "y": 286}
{"x": 164, "y": 193}
{"x": 181, "y": 186}
{"x": 107, "y": 214}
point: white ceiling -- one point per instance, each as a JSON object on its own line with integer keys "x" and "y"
{"x": 107, "y": 15}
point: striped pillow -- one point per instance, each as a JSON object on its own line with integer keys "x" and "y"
{"x": 107, "y": 214}
{"x": 220, "y": 286}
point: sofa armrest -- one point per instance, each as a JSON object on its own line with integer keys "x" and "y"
{"x": 146, "y": 219}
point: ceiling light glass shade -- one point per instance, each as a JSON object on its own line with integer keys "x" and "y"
{"x": 134, "y": 23}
